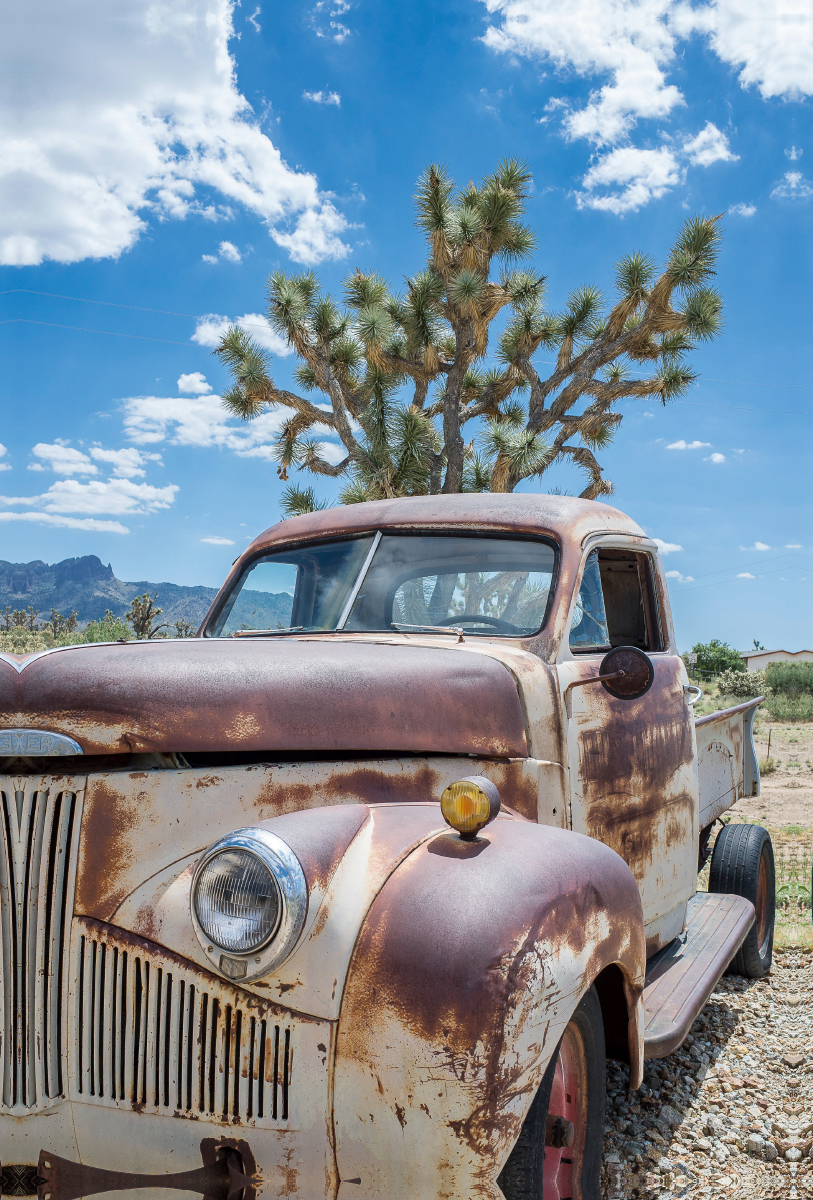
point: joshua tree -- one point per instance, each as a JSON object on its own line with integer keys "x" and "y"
{"x": 433, "y": 338}
{"x": 143, "y": 614}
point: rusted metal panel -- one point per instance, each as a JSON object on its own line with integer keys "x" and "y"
{"x": 634, "y": 784}
{"x": 469, "y": 965}
{"x": 138, "y": 823}
{"x": 312, "y": 979}
{"x": 727, "y": 765}
{"x": 273, "y": 695}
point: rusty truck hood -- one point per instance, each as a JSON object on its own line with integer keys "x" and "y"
{"x": 275, "y": 695}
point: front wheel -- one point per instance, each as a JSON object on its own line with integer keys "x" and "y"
{"x": 742, "y": 863}
{"x": 558, "y": 1152}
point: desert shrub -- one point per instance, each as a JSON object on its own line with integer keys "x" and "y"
{"x": 791, "y": 679}
{"x": 743, "y": 684}
{"x": 108, "y": 629}
{"x": 767, "y": 766}
{"x": 787, "y": 708}
{"x": 716, "y": 656}
{"x": 22, "y": 641}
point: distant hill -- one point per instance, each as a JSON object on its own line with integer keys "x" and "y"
{"x": 88, "y": 587}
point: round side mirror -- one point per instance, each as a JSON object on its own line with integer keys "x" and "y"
{"x": 630, "y": 670}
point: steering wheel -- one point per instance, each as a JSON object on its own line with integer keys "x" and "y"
{"x": 481, "y": 619}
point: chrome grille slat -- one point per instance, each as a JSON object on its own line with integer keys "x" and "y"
{"x": 153, "y": 1034}
{"x": 37, "y": 852}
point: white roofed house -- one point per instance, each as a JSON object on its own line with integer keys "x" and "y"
{"x": 758, "y": 660}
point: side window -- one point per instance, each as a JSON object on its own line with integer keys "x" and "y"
{"x": 617, "y": 603}
{"x": 588, "y": 628}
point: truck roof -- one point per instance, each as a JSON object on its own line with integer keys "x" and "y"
{"x": 566, "y": 518}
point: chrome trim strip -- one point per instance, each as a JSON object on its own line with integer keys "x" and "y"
{"x": 38, "y": 743}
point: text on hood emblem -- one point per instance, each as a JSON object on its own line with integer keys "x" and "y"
{"x": 37, "y": 743}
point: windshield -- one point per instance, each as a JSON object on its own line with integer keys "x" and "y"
{"x": 484, "y": 585}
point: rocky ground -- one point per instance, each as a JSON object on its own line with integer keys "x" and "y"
{"x": 731, "y": 1112}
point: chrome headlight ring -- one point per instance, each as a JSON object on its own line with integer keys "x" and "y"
{"x": 292, "y": 895}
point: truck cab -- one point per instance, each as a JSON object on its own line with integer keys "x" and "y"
{"x": 354, "y": 893}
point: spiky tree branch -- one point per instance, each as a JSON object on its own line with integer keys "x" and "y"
{"x": 433, "y": 337}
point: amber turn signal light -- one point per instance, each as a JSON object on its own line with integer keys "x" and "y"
{"x": 469, "y": 805}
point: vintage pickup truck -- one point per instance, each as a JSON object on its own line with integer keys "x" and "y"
{"x": 353, "y": 894}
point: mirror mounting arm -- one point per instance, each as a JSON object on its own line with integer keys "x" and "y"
{"x": 596, "y": 679}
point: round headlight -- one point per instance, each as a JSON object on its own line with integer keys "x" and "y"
{"x": 237, "y": 901}
{"x": 249, "y": 899}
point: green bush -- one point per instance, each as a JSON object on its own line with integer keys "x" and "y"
{"x": 108, "y": 629}
{"x": 793, "y": 680}
{"x": 785, "y": 708}
{"x": 743, "y": 684}
{"x": 715, "y": 656}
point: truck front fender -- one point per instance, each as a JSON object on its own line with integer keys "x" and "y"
{"x": 465, "y": 972}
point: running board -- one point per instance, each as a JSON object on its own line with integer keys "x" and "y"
{"x": 680, "y": 979}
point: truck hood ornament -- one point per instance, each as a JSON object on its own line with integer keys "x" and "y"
{"x": 36, "y": 743}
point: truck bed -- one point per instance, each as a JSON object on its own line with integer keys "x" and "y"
{"x": 727, "y": 765}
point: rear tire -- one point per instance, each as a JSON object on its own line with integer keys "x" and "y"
{"x": 573, "y": 1089}
{"x": 742, "y": 864}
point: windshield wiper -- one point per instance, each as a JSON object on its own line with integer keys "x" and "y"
{"x": 268, "y": 632}
{"x": 400, "y": 625}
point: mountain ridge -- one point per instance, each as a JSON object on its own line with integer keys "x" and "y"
{"x": 88, "y": 587}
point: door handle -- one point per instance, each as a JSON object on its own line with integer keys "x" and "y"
{"x": 688, "y": 689}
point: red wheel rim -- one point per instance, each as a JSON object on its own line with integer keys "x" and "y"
{"x": 762, "y": 905}
{"x": 561, "y": 1175}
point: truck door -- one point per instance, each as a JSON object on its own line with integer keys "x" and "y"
{"x": 632, "y": 762}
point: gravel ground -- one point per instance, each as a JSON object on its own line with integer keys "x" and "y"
{"x": 731, "y": 1112}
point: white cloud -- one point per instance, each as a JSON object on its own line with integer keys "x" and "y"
{"x": 771, "y": 40}
{"x": 709, "y": 146}
{"x": 627, "y": 49}
{"x": 742, "y": 210}
{"x": 210, "y": 329}
{"x": 195, "y": 381}
{"x": 198, "y": 421}
{"x": 324, "y": 19}
{"x": 227, "y": 251}
{"x": 63, "y": 459}
{"x": 667, "y": 547}
{"x": 716, "y": 457}
{"x": 756, "y": 546}
{"x": 66, "y": 522}
{"x": 253, "y": 19}
{"x": 127, "y": 463}
{"x": 793, "y": 152}
{"x": 323, "y": 97}
{"x": 627, "y": 40}
{"x": 636, "y": 177}
{"x": 118, "y": 497}
{"x": 3, "y": 453}
{"x": 794, "y": 186}
{"x": 218, "y": 541}
{"x": 680, "y": 578}
{"x": 745, "y": 575}
{"x": 136, "y": 114}
{"x": 684, "y": 445}
{"x": 793, "y": 545}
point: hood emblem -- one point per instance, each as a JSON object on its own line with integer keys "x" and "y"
{"x": 37, "y": 743}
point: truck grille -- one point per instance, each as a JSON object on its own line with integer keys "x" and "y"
{"x": 38, "y": 838}
{"x": 167, "y": 1039}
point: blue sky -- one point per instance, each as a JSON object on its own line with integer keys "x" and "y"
{"x": 160, "y": 157}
